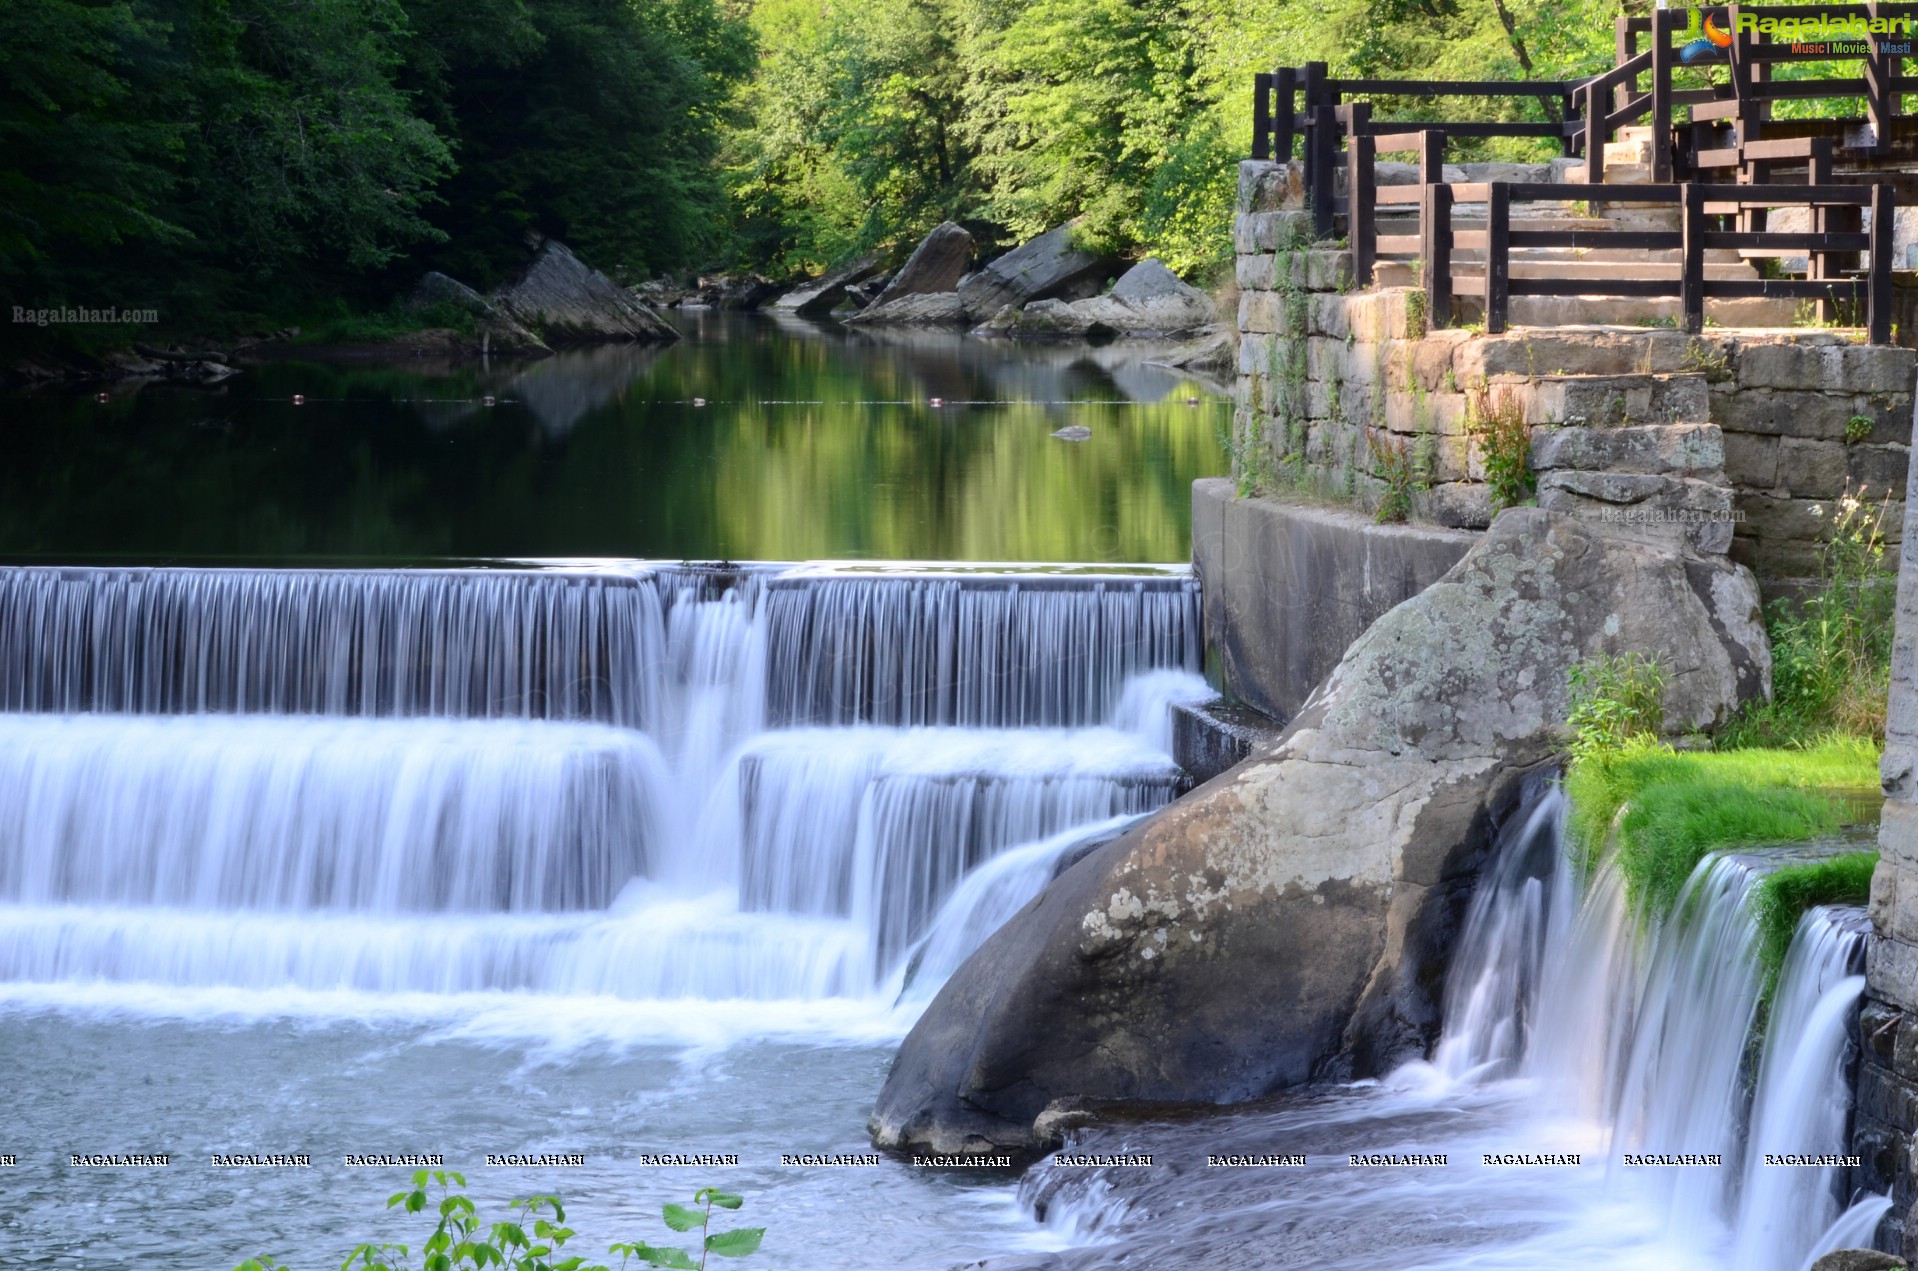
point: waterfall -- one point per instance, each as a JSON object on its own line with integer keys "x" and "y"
{"x": 582, "y": 781}
{"x": 986, "y": 650}
{"x": 1803, "y": 1104}
{"x": 473, "y": 643}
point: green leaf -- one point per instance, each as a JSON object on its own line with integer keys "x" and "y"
{"x": 676, "y": 1259}
{"x": 739, "y": 1243}
{"x": 680, "y": 1218}
{"x": 725, "y": 1200}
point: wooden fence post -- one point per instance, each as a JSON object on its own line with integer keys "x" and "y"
{"x": 1596, "y": 108}
{"x": 1324, "y": 129}
{"x": 1314, "y": 98}
{"x": 1284, "y": 85}
{"x": 1691, "y": 280}
{"x": 1498, "y": 255}
{"x": 1361, "y": 195}
{"x": 1661, "y": 121}
{"x": 1262, "y": 115}
{"x": 1625, "y": 43}
{"x": 1878, "y": 283}
{"x": 1435, "y": 229}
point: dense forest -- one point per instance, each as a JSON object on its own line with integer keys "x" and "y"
{"x": 250, "y": 161}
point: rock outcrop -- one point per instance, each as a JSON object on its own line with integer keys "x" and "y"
{"x": 1290, "y": 919}
{"x": 497, "y": 332}
{"x": 924, "y": 309}
{"x": 936, "y": 265}
{"x": 1047, "y": 268}
{"x": 1148, "y": 302}
{"x": 567, "y": 302}
{"x": 824, "y": 294}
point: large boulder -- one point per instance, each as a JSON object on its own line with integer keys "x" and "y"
{"x": 1047, "y": 268}
{"x": 1148, "y": 302}
{"x": 497, "y": 331}
{"x": 569, "y": 302}
{"x": 923, "y": 309}
{"x": 1290, "y": 919}
{"x": 824, "y": 294}
{"x": 936, "y": 265}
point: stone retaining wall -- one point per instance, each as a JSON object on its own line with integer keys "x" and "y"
{"x": 1339, "y": 389}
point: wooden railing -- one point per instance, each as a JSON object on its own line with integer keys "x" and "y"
{"x": 1829, "y": 251}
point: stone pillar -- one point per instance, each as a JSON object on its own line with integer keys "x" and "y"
{"x": 1887, "y": 1109}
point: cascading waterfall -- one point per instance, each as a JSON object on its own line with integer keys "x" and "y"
{"x": 977, "y": 650}
{"x": 1577, "y": 1033}
{"x": 558, "y": 782}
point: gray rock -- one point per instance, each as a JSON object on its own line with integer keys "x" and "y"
{"x": 1646, "y": 506}
{"x": 1047, "y": 268}
{"x": 567, "y": 302}
{"x": 824, "y": 294}
{"x": 1148, "y": 302}
{"x": 1858, "y": 1260}
{"x": 1290, "y": 919}
{"x": 923, "y": 309}
{"x": 1074, "y": 432}
{"x": 1690, "y": 450}
{"x": 1216, "y": 351}
{"x": 935, "y": 265}
{"x": 498, "y": 332}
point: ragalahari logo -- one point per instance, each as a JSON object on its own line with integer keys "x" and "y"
{"x": 1703, "y": 37}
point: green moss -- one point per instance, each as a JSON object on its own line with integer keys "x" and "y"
{"x": 1780, "y": 898}
{"x": 1671, "y": 808}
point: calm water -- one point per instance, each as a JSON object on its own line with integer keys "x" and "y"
{"x": 814, "y": 443}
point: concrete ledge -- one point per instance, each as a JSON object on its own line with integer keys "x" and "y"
{"x": 1288, "y": 587}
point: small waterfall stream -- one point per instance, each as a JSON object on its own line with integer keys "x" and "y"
{"x": 1570, "y": 1031}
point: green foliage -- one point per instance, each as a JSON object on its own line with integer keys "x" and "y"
{"x": 533, "y": 1238}
{"x": 1661, "y": 810}
{"x": 1496, "y": 421}
{"x": 1831, "y": 650}
{"x": 1781, "y": 897}
{"x": 738, "y": 1242}
{"x": 1857, "y": 428}
{"x": 1615, "y": 702}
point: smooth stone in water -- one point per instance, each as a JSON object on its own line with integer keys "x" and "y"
{"x": 1858, "y": 1260}
{"x": 1077, "y": 432}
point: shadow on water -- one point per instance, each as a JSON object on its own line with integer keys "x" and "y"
{"x": 813, "y": 442}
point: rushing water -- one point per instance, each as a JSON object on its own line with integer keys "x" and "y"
{"x": 752, "y": 439}
{"x": 1569, "y": 1033}
{"x": 611, "y": 860}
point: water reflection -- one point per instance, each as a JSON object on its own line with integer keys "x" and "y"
{"x": 813, "y": 442}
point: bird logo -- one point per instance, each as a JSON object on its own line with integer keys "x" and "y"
{"x": 1703, "y": 36}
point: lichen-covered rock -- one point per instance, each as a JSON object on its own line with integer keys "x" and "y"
{"x": 568, "y": 302}
{"x": 1290, "y": 919}
{"x": 1858, "y": 1260}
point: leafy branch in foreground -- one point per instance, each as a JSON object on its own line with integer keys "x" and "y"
{"x": 531, "y": 1240}
{"x": 740, "y": 1242}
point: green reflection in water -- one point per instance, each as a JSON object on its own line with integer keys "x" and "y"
{"x": 814, "y": 443}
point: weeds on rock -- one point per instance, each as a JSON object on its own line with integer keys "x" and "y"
{"x": 1831, "y": 650}
{"x": 1615, "y": 701}
{"x": 1780, "y": 899}
{"x": 1393, "y": 464}
{"x": 1496, "y": 422}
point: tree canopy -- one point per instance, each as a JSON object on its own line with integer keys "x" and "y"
{"x": 215, "y": 158}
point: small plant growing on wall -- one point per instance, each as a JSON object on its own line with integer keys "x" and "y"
{"x": 1497, "y": 424}
{"x": 1394, "y": 465}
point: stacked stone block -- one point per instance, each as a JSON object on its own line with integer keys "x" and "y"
{"x": 1338, "y": 383}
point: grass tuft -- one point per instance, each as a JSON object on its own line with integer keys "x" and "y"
{"x": 1670, "y": 808}
{"x": 1780, "y": 898}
